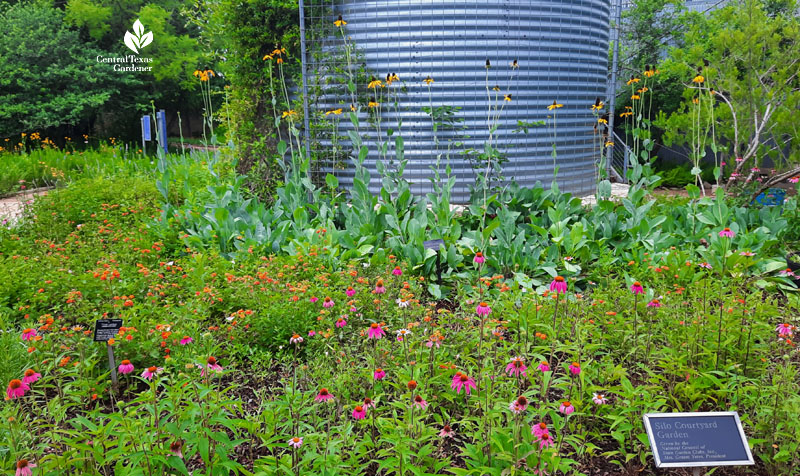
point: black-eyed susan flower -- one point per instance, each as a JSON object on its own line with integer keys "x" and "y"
{"x": 372, "y": 103}
{"x": 339, "y": 22}
{"x": 642, "y": 90}
{"x": 266, "y": 57}
{"x": 598, "y": 104}
{"x": 635, "y": 97}
{"x": 699, "y": 79}
{"x": 374, "y": 83}
{"x": 507, "y": 97}
{"x": 626, "y": 114}
{"x": 496, "y": 88}
{"x": 555, "y": 105}
{"x": 609, "y": 143}
{"x": 291, "y": 113}
{"x": 352, "y": 108}
{"x": 334, "y": 112}
{"x": 602, "y": 121}
{"x": 649, "y": 71}
{"x": 514, "y": 64}
{"x": 427, "y": 80}
{"x": 633, "y": 80}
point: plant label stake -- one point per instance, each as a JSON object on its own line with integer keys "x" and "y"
{"x": 105, "y": 330}
{"x": 695, "y": 440}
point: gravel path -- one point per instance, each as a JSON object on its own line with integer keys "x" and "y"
{"x": 11, "y": 208}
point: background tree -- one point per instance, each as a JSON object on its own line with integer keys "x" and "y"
{"x": 49, "y": 78}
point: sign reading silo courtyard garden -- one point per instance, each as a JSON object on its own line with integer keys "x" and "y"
{"x": 697, "y": 439}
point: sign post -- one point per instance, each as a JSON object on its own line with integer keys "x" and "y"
{"x": 105, "y": 330}
{"x": 696, "y": 440}
{"x": 161, "y": 123}
{"x": 146, "y": 133}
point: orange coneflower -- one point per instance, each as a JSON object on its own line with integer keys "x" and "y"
{"x": 633, "y": 80}
{"x": 555, "y": 105}
{"x": 427, "y": 80}
{"x": 339, "y": 22}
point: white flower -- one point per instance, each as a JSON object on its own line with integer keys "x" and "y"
{"x": 403, "y": 332}
{"x": 402, "y": 302}
{"x": 599, "y": 399}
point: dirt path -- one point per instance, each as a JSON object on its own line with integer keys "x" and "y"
{"x": 11, "y": 208}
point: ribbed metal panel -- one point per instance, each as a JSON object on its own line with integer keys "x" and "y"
{"x": 562, "y": 51}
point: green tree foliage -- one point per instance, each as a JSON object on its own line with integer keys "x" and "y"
{"x": 48, "y": 77}
{"x": 748, "y": 54}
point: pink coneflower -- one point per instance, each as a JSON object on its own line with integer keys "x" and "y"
{"x": 784, "y": 329}
{"x": 575, "y": 368}
{"x": 328, "y": 302}
{"x": 539, "y": 429}
{"x": 566, "y": 408}
{"x": 16, "y": 388}
{"x": 739, "y": 159}
{"x": 24, "y": 468}
{"x": 297, "y": 339}
{"x": 746, "y": 253}
{"x": 544, "y": 367}
{"x": 478, "y": 259}
{"x": 636, "y": 288}
{"x": 447, "y": 432}
{"x": 794, "y": 180}
{"x": 379, "y": 374}
{"x": 559, "y": 285}
{"x": 368, "y": 403}
{"x": 787, "y": 272}
{"x": 295, "y": 442}
{"x": 726, "y": 233}
{"x": 516, "y": 367}
{"x": 483, "y": 309}
{"x": 31, "y": 376}
{"x": 463, "y": 381}
{"x": 350, "y": 291}
{"x": 341, "y": 322}
{"x": 28, "y": 334}
{"x": 704, "y": 265}
{"x": 402, "y": 334}
{"x": 150, "y": 372}
{"x": 311, "y": 333}
{"x": 755, "y": 169}
{"x": 420, "y": 402}
{"x": 599, "y": 399}
{"x": 323, "y": 396}
{"x": 519, "y": 405}
{"x": 654, "y": 303}
{"x": 433, "y": 342}
{"x": 186, "y": 340}
{"x": 359, "y": 412}
{"x": 211, "y": 366}
{"x": 397, "y": 271}
{"x": 379, "y": 289}
{"x": 176, "y": 448}
{"x": 375, "y": 331}
{"x": 313, "y": 299}
{"x": 125, "y": 367}
{"x": 545, "y": 441}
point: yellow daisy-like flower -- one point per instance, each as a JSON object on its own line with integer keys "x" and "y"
{"x": 643, "y": 90}
{"x": 279, "y": 60}
{"x": 427, "y": 80}
{"x": 602, "y": 121}
{"x": 633, "y": 80}
{"x": 597, "y": 106}
{"x": 696, "y": 101}
{"x": 334, "y": 111}
{"x": 372, "y": 103}
{"x": 290, "y": 113}
{"x": 339, "y": 22}
{"x": 507, "y": 98}
{"x": 555, "y": 105}
{"x": 496, "y": 88}
{"x": 635, "y": 97}
{"x": 699, "y": 79}
{"x": 626, "y": 114}
{"x": 352, "y": 108}
{"x": 609, "y": 143}
{"x": 374, "y": 83}
{"x": 266, "y": 57}
{"x": 649, "y": 73}
{"x": 514, "y": 64}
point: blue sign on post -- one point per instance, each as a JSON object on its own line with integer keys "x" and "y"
{"x": 161, "y": 123}
{"x": 697, "y": 439}
{"x": 146, "y": 133}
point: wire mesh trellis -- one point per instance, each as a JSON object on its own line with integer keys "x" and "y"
{"x": 561, "y": 49}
